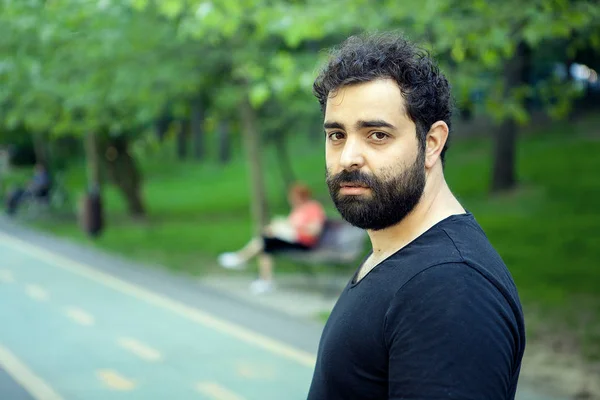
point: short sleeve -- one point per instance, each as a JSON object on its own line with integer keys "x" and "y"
{"x": 451, "y": 334}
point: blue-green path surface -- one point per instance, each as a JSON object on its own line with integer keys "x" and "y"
{"x": 77, "y": 324}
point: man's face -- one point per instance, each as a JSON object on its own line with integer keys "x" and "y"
{"x": 375, "y": 166}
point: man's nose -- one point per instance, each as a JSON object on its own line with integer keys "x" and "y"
{"x": 352, "y": 155}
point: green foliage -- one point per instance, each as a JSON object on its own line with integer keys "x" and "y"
{"x": 77, "y": 67}
{"x": 481, "y": 37}
{"x": 474, "y": 40}
{"x": 70, "y": 67}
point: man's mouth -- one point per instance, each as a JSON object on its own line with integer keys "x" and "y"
{"x": 353, "y": 189}
{"x": 353, "y": 185}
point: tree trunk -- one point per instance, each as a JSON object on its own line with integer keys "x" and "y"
{"x": 125, "y": 174}
{"x": 252, "y": 147}
{"x": 182, "y": 139}
{"x": 93, "y": 161}
{"x": 283, "y": 159}
{"x": 197, "y": 127}
{"x": 504, "y": 156}
{"x": 527, "y": 74}
{"x": 505, "y": 138}
{"x": 162, "y": 126}
{"x": 91, "y": 213}
{"x": 40, "y": 149}
{"x": 224, "y": 142}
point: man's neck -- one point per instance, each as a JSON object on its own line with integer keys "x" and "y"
{"x": 436, "y": 204}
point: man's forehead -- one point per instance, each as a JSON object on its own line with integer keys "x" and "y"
{"x": 380, "y": 99}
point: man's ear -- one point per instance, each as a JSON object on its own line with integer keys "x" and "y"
{"x": 435, "y": 142}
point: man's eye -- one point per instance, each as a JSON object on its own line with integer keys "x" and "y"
{"x": 336, "y": 136}
{"x": 379, "y": 135}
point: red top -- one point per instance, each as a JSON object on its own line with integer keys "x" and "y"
{"x": 307, "y": 214}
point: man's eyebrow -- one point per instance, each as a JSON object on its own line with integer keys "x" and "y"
{"x": 333, "y": 125}
{"x": 375, "y": 123}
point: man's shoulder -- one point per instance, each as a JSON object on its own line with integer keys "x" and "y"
{"x": 476, "y": 251}
{"x": 460, "y": 239}
{"x": 431, "y": 248}
{"x": 457, "y": 245}
{"x": 460, "y": 289}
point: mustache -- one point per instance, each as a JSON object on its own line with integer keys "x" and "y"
{"x": 355, "y": 177}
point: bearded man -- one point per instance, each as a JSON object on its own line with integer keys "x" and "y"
{"x": 432, "y": 312}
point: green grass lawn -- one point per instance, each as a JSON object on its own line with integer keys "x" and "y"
{"x": 547, "y": 231}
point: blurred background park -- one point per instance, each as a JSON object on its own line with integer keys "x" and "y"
{"x": 189, "y": 119}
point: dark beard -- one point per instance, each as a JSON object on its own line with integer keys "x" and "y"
{"x": 391, "y": 199}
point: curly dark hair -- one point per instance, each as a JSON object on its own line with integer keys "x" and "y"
{"x": 368, "y": 57}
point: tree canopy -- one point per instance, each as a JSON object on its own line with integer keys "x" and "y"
{"x": 73, "y": 67}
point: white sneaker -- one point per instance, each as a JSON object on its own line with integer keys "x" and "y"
{"x": 261, "y": 286}
{"x": 231, "y": 261}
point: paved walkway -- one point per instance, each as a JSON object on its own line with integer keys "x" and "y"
{"x": 80, "y": 324}
{"x": 310, "y": 304}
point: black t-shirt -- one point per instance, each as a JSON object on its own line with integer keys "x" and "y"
{"x": 439, "y": 319}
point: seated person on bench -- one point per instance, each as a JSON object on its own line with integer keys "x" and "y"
{"x": 38, "y": 189}
{"x": 298, "y": 231}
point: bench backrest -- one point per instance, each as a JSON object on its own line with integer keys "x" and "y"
{"x": 340, "y": 242}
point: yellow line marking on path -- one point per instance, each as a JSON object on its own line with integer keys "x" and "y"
{"x": 216, "y": 391}
{"x": 79, "y": 316}
{"x": 191, "y": 313}
{"x": 36, "y": 292}
{"x": 115, "y": 381}
{"x": 141, "y": 350}
{"x": 253, "y": 370}
{"x": 33, "y": 384}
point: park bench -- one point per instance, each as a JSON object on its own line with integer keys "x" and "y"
{"x": 340, "y": 245}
